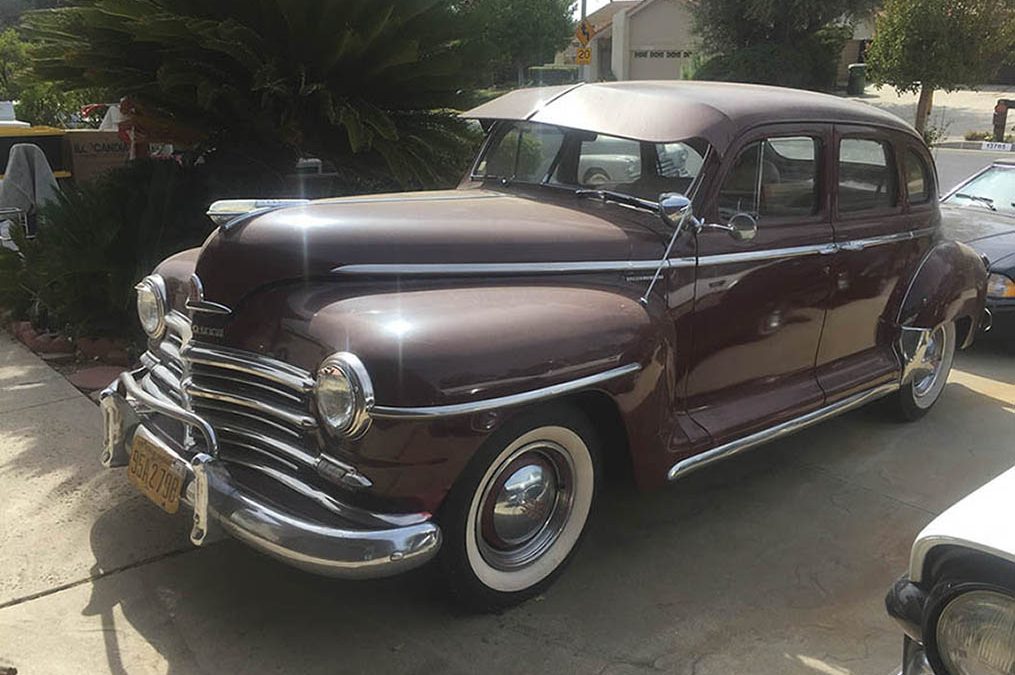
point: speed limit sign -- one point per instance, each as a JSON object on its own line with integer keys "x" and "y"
{"x": 583, "y": 56}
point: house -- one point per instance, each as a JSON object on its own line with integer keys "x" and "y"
{"x": 654, "y": 40}
{"x": 638, "y": 40}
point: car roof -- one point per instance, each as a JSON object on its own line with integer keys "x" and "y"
{"x": 663, "y": 111}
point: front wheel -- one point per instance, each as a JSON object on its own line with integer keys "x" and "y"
{"x": 514, "y": 518}
{"x": 932, "y": 363}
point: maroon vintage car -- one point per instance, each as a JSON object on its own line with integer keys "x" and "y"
{"x": 356, "y": 386}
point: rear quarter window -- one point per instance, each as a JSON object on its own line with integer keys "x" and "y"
{"x": 867, "y": 177}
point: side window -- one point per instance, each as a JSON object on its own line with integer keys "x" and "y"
{"x": 919, "y": 179}
{"x": 866, "y": 176}
{"x": 773, "y": 178}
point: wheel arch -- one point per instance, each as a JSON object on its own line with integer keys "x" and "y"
{"x": 949, "y": 285}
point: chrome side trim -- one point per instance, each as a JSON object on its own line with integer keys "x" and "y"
{"x": 484, "y": 405}
{"x": 484, "y": 269}
{"x": 586, "y": 267}
{"x": 861, "y": 244}
{"x": 767, "y": 254}
{"x": 686, "y": 466}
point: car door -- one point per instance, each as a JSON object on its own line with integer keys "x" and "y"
{"x": 759, "y": 303}
{"x": 877, "y": 251}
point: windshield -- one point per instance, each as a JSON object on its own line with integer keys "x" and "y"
{"x": 527, "y": 152}
{"x": 992, "y": 189}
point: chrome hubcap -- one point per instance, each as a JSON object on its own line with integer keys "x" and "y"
{"x": 525, "y": 505}
{"x": 927, "y": 362}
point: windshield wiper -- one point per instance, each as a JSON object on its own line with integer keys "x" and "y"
{"x": 986, "y": 201}
{"x": 620, "y": 198}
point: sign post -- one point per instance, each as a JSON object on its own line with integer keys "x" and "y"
{"x": 584, "y": 33}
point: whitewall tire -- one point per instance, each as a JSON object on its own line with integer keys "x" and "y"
{"x": 515, "y": 516}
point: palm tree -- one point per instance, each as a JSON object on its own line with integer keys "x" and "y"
{"x": 369, "y": 84}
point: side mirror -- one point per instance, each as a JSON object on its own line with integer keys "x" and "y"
{"x": 672, "y": 207}
{"x": 743, "y": 227}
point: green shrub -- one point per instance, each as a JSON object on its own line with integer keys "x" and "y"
{"x": 96, "y": 241}
{"x": 810, "y": 63}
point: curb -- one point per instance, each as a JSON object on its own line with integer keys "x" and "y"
{"x": 985, "y": 146}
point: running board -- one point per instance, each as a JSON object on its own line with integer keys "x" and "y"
{"x": 686, "y": 466}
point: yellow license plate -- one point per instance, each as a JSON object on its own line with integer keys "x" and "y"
{"x": 155, "y": 473}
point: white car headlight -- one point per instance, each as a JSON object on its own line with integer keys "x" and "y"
{"x": 151, "y": 305}
{"x": 975, "y": 634}
{"x": 1000, "y": 286}
{"x": 344, "y": 395}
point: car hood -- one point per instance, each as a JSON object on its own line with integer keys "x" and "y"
{"x": 991, "y": 234}
{"x": 979, "y": 521}
{"x": 465, "y": 226}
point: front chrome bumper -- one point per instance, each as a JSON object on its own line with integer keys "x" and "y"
{"x": 218, "y": 501}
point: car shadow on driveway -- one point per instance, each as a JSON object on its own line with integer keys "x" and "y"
{"x": 774, "y": 562}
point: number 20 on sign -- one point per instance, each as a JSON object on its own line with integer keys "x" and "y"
{"x": 583, "y": 56}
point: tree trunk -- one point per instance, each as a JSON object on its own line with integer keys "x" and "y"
{"x": 923, "y": 107}
{"x": 521, "y": 73}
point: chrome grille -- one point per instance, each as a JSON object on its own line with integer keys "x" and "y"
{"x": 260, "y": 407}
{"x": 256, "y": 404}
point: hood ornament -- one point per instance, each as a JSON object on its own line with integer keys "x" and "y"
{"x": 197, "y": 303}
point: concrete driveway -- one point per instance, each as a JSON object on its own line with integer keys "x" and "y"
{"x": 775, "y": 562}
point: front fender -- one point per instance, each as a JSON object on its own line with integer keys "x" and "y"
{"x": 950, "y": 284}
{"x": 442, "y": 346}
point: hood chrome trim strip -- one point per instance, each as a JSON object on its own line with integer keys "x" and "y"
{"x": 480, "y": 269}
{"x": 486, "y": 405}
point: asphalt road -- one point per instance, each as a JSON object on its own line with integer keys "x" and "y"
{"x": 773, "y": 563}
{"x": 954, "y": 166}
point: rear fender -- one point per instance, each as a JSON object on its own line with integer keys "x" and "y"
{"x": 949, "y": 285}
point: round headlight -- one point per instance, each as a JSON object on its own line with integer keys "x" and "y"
{"x": 976, "y": 634}
{"x": 344, "y": 395}
{"x": 151, "y": 305}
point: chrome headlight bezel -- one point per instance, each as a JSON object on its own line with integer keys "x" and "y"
{"x": 156, "y": 286}
{"x": 347, "y": 366}
{"x": 1000, "y": 286}
{"x": 946, "y": 598}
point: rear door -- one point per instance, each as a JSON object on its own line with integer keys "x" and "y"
{"x": 760, "y": 304}
{"x": 876, "y": 252}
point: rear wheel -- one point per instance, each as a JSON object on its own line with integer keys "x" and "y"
{"x": 931, "y": 365}
{"x": 516, "y": 515}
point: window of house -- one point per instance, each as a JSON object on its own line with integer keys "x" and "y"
{"x": 866, "y": 176}
{"x": 919, "y": 179}
{"x": 776, "y": 177}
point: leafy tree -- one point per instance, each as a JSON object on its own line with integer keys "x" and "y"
{"x": 924, "y": 45}
{"x": 37, "y": 101}
{"x": 13, "y": 63}
{"x": 524, "y": 33}
{"x": 11, "y": 10}
{"x": 785, "y": 42}
{"x": 368, "y": 84}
